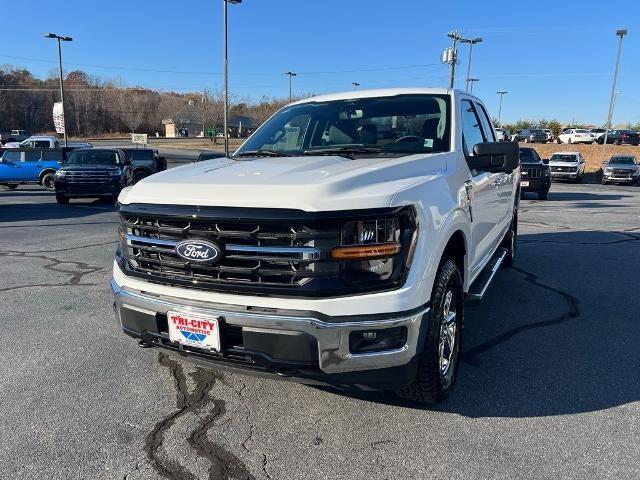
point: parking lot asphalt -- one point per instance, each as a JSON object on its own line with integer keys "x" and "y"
{"x": 549, "y": 385}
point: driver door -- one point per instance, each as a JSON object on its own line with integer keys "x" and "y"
{"x": 484, "y": 192}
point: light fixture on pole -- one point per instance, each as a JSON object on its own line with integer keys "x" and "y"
{"x": 355, "y": 86}
{"x": 61, "y": 38}
{"x": 470, "y": 82}
{"x": 291, "y": 75}
{"x": 502, "y": 93}
{"x": 471, "y": 42}
{"x": 620, "y": 33}
{"x": 226, "y": 75}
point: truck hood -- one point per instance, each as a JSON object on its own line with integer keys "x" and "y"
{"x": 311, "y": 183}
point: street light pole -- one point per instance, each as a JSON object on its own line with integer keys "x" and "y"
{"x": 226, "y": 75}
{"x": 501, "y": 93}
{"x": 620, "y": 33}
{"x": 355, "y": 86}
{"x": 471, "y": 42}
{"x": 61, "y": 38}
{"x": 470, "y": 82}
{"x": 291, "y": 75}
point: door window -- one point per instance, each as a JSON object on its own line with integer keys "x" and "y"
{"x": 11, "y": 157}
{"x": 486, "y": 123}
{"x": 472, "y": 133}
{"x": 31, "y": 156}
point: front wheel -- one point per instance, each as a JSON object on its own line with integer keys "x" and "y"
{"x": 61, "y": 199}
{"x": 510, "y": 241}
{"x": 48, "y": 181}
{"x": 438, "y": 362}
{"x": 11, "y": 186}
{"x": 543, "y": 195}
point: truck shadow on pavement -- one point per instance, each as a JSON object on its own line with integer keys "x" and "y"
{"x": 557, "y": 334}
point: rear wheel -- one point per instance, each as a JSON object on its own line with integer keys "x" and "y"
{"x": 48, "y": 181}
{"x": 61, "y": 199}
{"x": 438, "y": 362}
{"x": 543, "y": 195}
{"x": 11, "y": 186}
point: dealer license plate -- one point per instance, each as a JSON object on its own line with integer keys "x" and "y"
{"x": 524, "y": 184}
{"x": 194, "y": 330}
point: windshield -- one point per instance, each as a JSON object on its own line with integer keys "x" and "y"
{"x": 528, "y": 155}
{"x": 93, "y": 157}
{"x": 563, "y": 157}
{"x": 582, "y": 130}
{"x": 139, "y": 155}
{"x": 623, "y": 160}
{"x": 403, "y": 125}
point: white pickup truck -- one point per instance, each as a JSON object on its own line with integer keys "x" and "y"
{"x": 337, "y": 246}
{"x": 45, "y": 141}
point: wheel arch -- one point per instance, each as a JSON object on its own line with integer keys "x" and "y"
{"x": 44, "y": 172}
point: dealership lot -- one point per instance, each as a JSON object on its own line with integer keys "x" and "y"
{"x": 549, "y": 385}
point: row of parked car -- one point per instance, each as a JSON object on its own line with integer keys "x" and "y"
{"x": 537, "y": 173}
{"x": 79, "y": 172}
{"x": 571, "y": 135}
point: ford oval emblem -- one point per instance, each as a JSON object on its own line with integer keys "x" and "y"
{"x": 199, "y": 251}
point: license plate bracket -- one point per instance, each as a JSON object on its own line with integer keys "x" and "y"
{"x": 194, "y": 330}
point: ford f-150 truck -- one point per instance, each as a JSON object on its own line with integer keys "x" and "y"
{"x": 336, "y": 246}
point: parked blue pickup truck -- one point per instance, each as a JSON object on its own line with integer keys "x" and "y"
{"x": 31, "y": 166}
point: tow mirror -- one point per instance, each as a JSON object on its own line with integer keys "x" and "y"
{"x": 495, "y": 157}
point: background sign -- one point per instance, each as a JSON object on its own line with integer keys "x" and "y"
{"x": 58, "y": 117}
{"x": 139, "y": 138}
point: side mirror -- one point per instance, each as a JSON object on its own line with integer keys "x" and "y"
{"x": 495, "y": 157}
{"x": 545, "y": 161}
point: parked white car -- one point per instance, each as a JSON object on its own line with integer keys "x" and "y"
{"x": 341, "y": 259}
{"x": 567, "y": 166}
{"x": 576, "y": 135}
{"x": 46, "y": 141}
{"x": 549, "y": 134}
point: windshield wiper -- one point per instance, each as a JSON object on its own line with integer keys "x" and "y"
{"x": 342, "y": 150}
{"x": 263, "y": 153}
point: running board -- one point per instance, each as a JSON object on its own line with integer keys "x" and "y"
{"x": 481, "y": 284}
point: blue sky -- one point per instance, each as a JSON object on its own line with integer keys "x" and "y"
{"x": 556, "y": 59}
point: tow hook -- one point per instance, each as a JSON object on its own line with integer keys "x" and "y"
{"x": 145, "y": 344}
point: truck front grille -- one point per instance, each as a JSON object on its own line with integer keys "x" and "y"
{"x": 532, "y": 173}
{"x": 261, "y": 253}
{"x": 88, "y": 177}
{"x": 563, "y": 169}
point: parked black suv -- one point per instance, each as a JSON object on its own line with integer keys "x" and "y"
{"x": 144, "y": 162}
{"x": 535, "y": 175}
{"x": 93, "y": 173}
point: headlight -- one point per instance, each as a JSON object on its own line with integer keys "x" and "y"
{"x": 61, "y": 174}
{"x": 115, "y": 173}
{"x": 376, "y": 250}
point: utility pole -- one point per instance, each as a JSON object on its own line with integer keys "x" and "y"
{"x": 226, "y": 74}
{"x": 291, "y": 75}
{"x": 61, "y": 38}
{"x": 355, "y": 86}
{"x": 453, "y": 56}
{"x": 620, "y": 33}
{"x": 501, "y": 93}
{"x": 204, "y": 112}
{"x": 471, "y": 42}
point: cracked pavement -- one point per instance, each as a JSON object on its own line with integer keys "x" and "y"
{"x": 548, "y": 384}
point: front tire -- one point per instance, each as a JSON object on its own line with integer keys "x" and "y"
{"x": 11, "y": 186}
{"x": 48, "y": 181}
{"x": 61, "y": 199}
{"x": 543, "y": 195}
{"x": 510, "y": 242}
{"x": 438, "y": 362}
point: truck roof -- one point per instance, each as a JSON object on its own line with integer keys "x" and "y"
{"x": 382, "y": 92}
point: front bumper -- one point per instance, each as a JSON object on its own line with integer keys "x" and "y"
{"x": 564, "y": 175}
{"x": 617, "y": 178}
{"x": 535, "y": 184}
{"x": 88, "y": 190}
{"x": 328, "y": 360}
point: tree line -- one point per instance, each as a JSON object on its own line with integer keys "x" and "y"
{"x": 94, "y": 106}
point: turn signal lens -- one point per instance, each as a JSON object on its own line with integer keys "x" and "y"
{"x": 366, "y": 252}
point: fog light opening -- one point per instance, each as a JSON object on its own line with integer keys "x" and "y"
{"x": 366, "y": 341}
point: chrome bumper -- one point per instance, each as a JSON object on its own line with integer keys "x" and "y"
{"x": 332, "y": 336}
